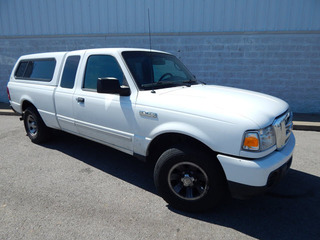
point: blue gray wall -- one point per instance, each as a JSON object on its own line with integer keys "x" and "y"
{"x": 267, "y": 46}
{"x": 52, "y": 17}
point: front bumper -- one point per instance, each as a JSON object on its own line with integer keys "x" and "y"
{"x": 250, "y": 177}
{"x": 242, "y": 191}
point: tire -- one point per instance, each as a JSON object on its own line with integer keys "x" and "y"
{"x": 189, "y": 179}
{"x": 35, "y": 128}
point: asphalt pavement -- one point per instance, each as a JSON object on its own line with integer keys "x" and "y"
{"x": 72, "y": 188}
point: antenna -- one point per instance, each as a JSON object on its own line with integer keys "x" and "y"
{"x": 152, "y": 91}
{"x": 149, "y": 29}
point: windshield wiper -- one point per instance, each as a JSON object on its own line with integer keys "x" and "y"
{"x": 187, "y": 83}
{"x": 194, "y": 81}
{"x": 159, "y": 83}
{"x": 190, "y": 81}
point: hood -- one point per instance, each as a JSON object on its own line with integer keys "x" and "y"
{"x": 218, "y": 102}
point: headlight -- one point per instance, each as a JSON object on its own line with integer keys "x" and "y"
{"x": 259, "y": 140}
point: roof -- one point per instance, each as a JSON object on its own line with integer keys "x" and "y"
{"x": 93, "y": 50}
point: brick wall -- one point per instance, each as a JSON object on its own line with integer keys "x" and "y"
{"x": 282, "y": 65}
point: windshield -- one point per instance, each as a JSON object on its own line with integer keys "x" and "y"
{"x": 157, "y": 70}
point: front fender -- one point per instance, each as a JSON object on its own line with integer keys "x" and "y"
{"x": 181, "y": 128}
{"x": 199, "y": 132}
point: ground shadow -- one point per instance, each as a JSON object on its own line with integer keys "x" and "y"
{"x": 289, "y": 211}
{"x": 106, "y": 159}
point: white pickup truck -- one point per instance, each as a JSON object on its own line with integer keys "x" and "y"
{"x": 206, "y": 141}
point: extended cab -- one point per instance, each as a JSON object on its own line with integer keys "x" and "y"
{"x": 206, "y": 141}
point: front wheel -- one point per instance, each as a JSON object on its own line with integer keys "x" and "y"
{"x": 189, "y": 179}
{"x": 35, "y": 128}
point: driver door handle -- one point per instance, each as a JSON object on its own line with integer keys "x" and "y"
{"x": 80, "y": 100}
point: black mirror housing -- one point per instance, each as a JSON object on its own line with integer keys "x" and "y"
{"x": 111, "y": 85}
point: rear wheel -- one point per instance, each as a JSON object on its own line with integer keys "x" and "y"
{"x": 36, "y": 130}
{"x": 189, "y": 179}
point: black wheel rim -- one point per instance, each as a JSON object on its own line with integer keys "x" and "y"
{"x": 188, "y": 181}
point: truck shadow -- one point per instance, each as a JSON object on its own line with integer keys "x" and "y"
{"x": 289, "y": 211}
{"x": 106, "y": 159}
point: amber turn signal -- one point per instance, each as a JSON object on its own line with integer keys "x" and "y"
{"x": 251, "y": 141}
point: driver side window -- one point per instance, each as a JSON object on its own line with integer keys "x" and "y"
{"x": 101, "y": 66}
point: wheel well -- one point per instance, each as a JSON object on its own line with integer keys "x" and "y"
{"x": 165, "y": 141}
{"x": 26, "y": 104}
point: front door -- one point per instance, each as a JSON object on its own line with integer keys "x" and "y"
{"x": 106, "y": 118}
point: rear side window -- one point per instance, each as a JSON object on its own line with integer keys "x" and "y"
{"x": 36, "y": 69}
{"x": 69, "y": 72}
{"x": 100, "y": 66}
{"x": 21, "y": 69}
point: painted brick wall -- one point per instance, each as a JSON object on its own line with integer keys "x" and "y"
{"x": 282, "y": 65}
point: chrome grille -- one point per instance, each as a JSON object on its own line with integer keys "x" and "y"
{"x": 283, "y": 128}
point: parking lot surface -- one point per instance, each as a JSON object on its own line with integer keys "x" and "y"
{"x": 72, "y": 188}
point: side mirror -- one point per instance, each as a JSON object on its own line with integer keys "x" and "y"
{"x": 111, "y": 85}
